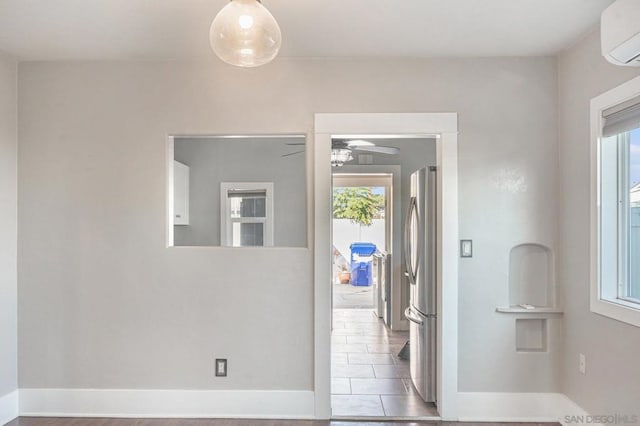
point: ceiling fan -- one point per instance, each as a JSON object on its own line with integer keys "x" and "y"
{"x": 342, "y": 149}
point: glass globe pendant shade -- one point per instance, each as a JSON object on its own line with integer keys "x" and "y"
{"x": 245, "y": 34}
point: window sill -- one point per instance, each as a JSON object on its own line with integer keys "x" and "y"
{"x": 618, "y": 309}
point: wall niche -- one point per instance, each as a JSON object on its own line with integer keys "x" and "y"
{"x": 531, "y": 280}
{"x": 531, "y": 335}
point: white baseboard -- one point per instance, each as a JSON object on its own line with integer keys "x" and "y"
{"x": 473, "y": 406}
{"x": 8, "y": 407}
{"x": 516, "y": 407}
{"x": 166, "y": 403}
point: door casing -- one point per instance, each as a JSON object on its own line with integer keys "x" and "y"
{"x": 444, "y": 127}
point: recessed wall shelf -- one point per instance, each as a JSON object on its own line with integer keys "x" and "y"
{"x": 520, "y": 310}
{"x": 531, "y": 276}
{"x": 532, "y": 296}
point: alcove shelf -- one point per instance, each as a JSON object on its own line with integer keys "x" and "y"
{"x": 531, "y": 278}
{"x": 531, "y": 285}
{"x": 521, "y": 310}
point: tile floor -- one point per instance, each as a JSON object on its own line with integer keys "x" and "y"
{"x": 352, "y": 297}
{"x": 368, "y": 378}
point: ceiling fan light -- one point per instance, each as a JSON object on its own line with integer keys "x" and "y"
{"x": 245, "y": 34}
{"x": 340, "y": 156}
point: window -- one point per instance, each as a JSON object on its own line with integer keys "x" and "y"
{"x": 247, "y": 214}
{"x": 615, "y": 187}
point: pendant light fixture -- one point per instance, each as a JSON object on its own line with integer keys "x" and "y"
{"x": 245, "y": 34}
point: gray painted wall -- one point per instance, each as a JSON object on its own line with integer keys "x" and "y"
{"x": 212, "y": 161}
{"x": 414, "y": 155}
{"x": 612, "y": 382}
{"x": 103, "y": 303}
{"x": 8, "y": 226}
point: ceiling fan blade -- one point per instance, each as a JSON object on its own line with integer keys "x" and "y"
{"x": 292, "y": 153}
{"x": 378, "y": 149}
{"x": 359, "y": 142}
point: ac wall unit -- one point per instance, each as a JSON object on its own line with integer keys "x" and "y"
{"x": 620, "y": 32}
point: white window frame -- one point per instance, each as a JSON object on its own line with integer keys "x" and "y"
{"x": 226, "y": 222}
{"x": 606, "y": 260}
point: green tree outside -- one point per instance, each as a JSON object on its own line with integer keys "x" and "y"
{"x": 359, "y": 204}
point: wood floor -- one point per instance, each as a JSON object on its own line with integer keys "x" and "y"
{"x": 51, "y": 421}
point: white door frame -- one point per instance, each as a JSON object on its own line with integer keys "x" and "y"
{"x": 444, "y": 126}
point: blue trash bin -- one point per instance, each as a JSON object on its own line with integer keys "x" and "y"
{"x": 362, "y": 263}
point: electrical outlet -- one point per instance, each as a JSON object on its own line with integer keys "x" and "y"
{"x": 221, "y": 367}
{"x": 582, "y": 364}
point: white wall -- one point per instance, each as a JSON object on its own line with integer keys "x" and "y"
{"x": 346, "y": 232}
{"x": 612, "y": 382}
{"x": 8, "y": 227}
{"x": 103, "y": 304}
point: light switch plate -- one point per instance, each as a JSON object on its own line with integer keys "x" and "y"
{"x": 221, "y": 367}
{"x": 466, "y": 248}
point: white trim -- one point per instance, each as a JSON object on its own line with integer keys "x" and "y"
{"x": 516, "y": 407}
{"x": 322, "y": 274}
{"x": 447, "y": 279}
{"x": 166, "y": 403}
{"x": 599, "y": 305}
{"x": 225, "y": 221}
{"x": 170, "y": 148}
{"x": 9, "y": 407}
{"x": 358, "y": 176}
{"x": 445, "y": 127}
{"x": 133, "y": 403}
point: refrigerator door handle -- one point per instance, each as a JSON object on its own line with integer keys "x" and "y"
{"x": 408, "y": 259}
{"x": 433, "y": 230}
{"x": 409, "y": 315}
{"x": 407, "y": 252}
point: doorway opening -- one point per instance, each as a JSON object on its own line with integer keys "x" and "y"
{"x": 371, "y": 375}
{"x": 444, "y": 128}
{"x": 361, "y": 230}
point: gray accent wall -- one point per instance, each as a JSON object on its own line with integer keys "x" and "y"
{"x": 8, "y": 226}
{"x": 414, "y": 154}
{"x": 612, "y": 348}
{"x": 215, "y": 160}
{"x": 104, "y": 304}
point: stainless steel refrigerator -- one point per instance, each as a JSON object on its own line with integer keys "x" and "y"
{"x": 420, "y": 258}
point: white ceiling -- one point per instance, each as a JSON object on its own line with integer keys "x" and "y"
{"x": 148, "y": 29}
